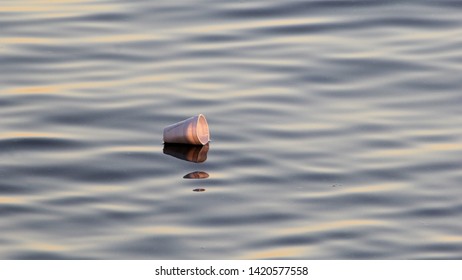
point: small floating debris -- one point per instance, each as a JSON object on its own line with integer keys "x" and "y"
{"x": 194, "y": 131}
{"x": 196, "y": 175}
{"x": 199, "y": 190}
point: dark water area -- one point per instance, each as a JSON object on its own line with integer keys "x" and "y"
{"x": 336, "y": 129}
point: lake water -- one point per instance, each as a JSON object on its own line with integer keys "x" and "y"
{"x": 336, "y": 129}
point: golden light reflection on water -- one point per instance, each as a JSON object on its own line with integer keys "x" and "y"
{"x": 30, "y": 134}
{"x": 344, "y": 190}
{"x": 11, "y": 200}
{"x": 62, "y": 88}
{"x": 386, "y": 187}
{"x": 98, "y": 189}
{"x": 450, "y": 238}
{"x": 420, "y": 150}
{"x": 24, "y": 40}
{"x": 36, "y": 90}
{"x": 278, "y": 253}
{"x": 52, "y": 8}
{"x": 171, "y": 230}
{"x": 329, "y": 226}
{"x": 40, "y": 246}
{"x": 119, "y": 38}
{"x": 205, "y": 86}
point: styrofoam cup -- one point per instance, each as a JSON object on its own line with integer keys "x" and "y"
{"x": 194, "y": 130}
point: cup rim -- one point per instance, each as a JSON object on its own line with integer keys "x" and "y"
{"x": 202, "y": 130}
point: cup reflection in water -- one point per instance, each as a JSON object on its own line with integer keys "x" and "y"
{"x": 194, "y": 131}
{"x": 193, "y": 153}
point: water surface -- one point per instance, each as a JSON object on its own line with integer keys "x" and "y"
{"x": 336, "y": 129}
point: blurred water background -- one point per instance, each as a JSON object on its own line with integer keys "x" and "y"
{"x": 336, "y": 129}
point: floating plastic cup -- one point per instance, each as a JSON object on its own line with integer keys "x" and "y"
{"x": 194, "y": 130}
{"x": 193, "y": 153}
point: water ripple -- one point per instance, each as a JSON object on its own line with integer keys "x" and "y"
{"x": 35, "y": 143}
